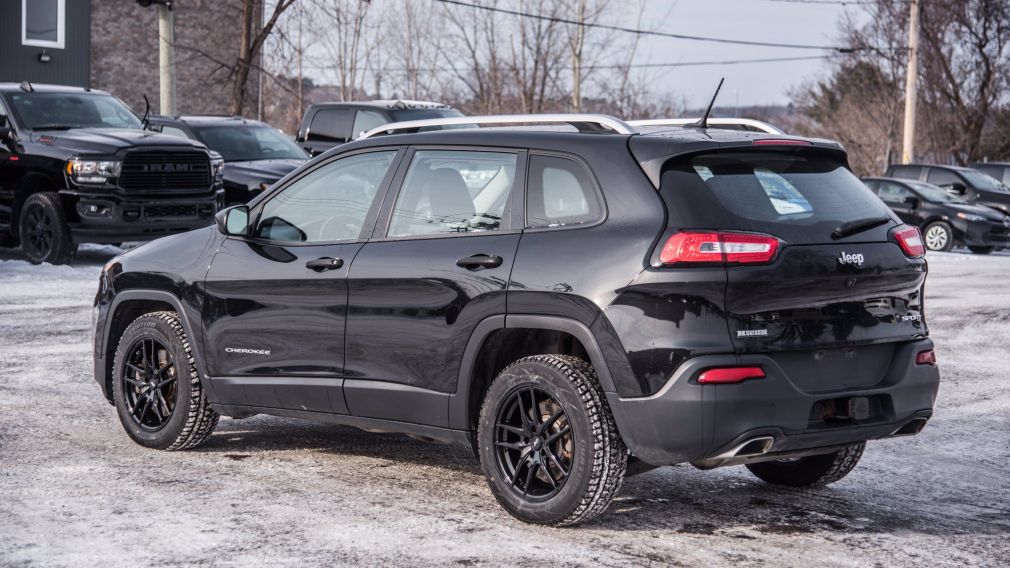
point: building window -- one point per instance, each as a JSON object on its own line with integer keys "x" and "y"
{"x": 42, "y": 23}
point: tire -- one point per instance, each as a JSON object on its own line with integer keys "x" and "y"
{"x": 190, "y": 420}
{"x": 938, "y": 236}
{"x": 45, "y": 236}
{"x": 982, "y": 250}
{"x": 574, "y": 477}
{"x": 811, "y": 471}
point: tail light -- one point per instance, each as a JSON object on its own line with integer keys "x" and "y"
{"x": 730, "y": 375}
{"x": 910, "y": 241}
{"x": 721, "y": 248}
{"x": 927, "y": 357}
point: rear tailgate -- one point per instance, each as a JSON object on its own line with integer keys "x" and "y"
{"x": 829, "y": 301}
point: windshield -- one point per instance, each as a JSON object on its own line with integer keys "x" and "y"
{"x": 63, "y": 111}
{"x": 248, "y": 142}
{"x": 935, "y": 194}
{"x": 979, "y": 180}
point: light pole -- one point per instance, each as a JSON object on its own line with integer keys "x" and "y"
{"x": 166, "y": 54}
{"x": 908, "y": 141}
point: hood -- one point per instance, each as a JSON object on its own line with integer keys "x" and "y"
{"x": 105, "y": 141}
{"x": 996, "y": 200}
{"x": 987, "y": 212}
{"x": 253, "y": 173}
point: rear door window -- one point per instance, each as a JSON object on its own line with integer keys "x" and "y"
{"x": 331, "y": 125}
{"x": 453, "y": 192}
{"x": 939, "y": 176}
{"x": 799, "y": 197}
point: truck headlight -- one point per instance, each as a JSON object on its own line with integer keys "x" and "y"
{"x": 970, "y": 217}
{"x": 217, "y": 166}
{"x": 93, "y": 171}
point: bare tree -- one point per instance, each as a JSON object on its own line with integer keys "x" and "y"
{"x": 342, "y": 31}
{"x": 255, "y": 31}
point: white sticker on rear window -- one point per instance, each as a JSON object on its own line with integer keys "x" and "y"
{"x": 703, "y": 172}
{"x": 785, "y": 198}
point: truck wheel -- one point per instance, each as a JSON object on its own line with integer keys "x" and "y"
{"x": 938, "y": 236}
{"x": 982, "y": 250}
{"x": 45, "y": 236}
{"x": 811, "y": 471}
{"x": 156, "y": 387}
{"x": 549, "y": 446}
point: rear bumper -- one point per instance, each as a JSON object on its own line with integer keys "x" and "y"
{"x": 690, "y": 422}
{"x": 113, "y": 218}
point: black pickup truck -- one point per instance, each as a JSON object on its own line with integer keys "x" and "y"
{"x": 78, "y": 166}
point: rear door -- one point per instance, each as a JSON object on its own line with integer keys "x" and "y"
{"x": 439, "y": 263}
{"x": 276, "y": 303}
{"x": 826, "y": 295}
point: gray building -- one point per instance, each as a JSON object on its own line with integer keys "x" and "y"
{"x": 113, "y": 45}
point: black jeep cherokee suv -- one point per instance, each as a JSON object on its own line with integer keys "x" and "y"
{"x": 558, "y": 301}
{"x": 77, "y": 166}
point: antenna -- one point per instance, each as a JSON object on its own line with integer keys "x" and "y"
{"x": 703, "y": 123}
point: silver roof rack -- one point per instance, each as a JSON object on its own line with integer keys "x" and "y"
{"x": 583, "y": 122}
{"x": 746, "y": 122}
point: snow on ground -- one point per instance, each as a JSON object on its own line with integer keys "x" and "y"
{"x": 75, "y": 491}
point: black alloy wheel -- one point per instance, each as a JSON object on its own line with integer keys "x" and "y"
{"x": 150, "y": 384}
{"x": 44, "y": 234}
{"x": 39, "y": 230}
{"x": 534, "y": 443}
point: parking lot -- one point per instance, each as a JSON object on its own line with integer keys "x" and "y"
{"x": 75, "y": 491}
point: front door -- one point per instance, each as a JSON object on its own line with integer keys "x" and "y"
{"x": 438, "y": 266}
{"x": 276, "y": 302}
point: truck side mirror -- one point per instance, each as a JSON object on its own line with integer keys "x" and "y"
{"x": 233, "y": 221}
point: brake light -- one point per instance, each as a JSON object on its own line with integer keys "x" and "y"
{"x": 735, "y": 248}
{"x": 730, "y": 375}
{"x": 910, "y": 241}
{"x": 780, "y": 142}
{"x": 927, "y": 357}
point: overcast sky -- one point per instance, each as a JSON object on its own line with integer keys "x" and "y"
{"x": 757, "y": 20}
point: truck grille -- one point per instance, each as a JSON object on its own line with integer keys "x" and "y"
{"x": 165, "y": 171}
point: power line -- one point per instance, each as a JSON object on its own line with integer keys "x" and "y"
{"x": 841, "y": 2}
{"x": 373, "y": 69}
{"x": 636, "y": 31}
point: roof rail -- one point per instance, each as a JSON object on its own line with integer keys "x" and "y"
{"x": 583, "y": 122}
{"x": 716, "y": 122}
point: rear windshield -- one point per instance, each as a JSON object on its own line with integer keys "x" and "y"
{"x": 798, "y": 197}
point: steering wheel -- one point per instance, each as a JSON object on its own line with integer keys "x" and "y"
{"x": 347, "y": 227}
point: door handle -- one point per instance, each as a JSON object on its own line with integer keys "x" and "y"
{"x": 324, "y": 264}
{"x": 478, "y": 261}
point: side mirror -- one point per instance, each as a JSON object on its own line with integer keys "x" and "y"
{"x": 233, "y": 221}
{"x": 912, "y": 201}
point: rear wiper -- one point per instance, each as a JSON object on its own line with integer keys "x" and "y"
{"x": 858, "y": 226}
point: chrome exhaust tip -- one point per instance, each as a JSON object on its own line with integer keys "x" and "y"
{"x": 910, "y": 428}
{"x": 740, "y": 453}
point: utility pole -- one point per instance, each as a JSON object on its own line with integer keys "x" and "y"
{"x": 166, "y": 57}
{"x": 908, "y": 141}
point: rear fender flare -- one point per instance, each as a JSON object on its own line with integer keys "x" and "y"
{"x": 459, "y": 411}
